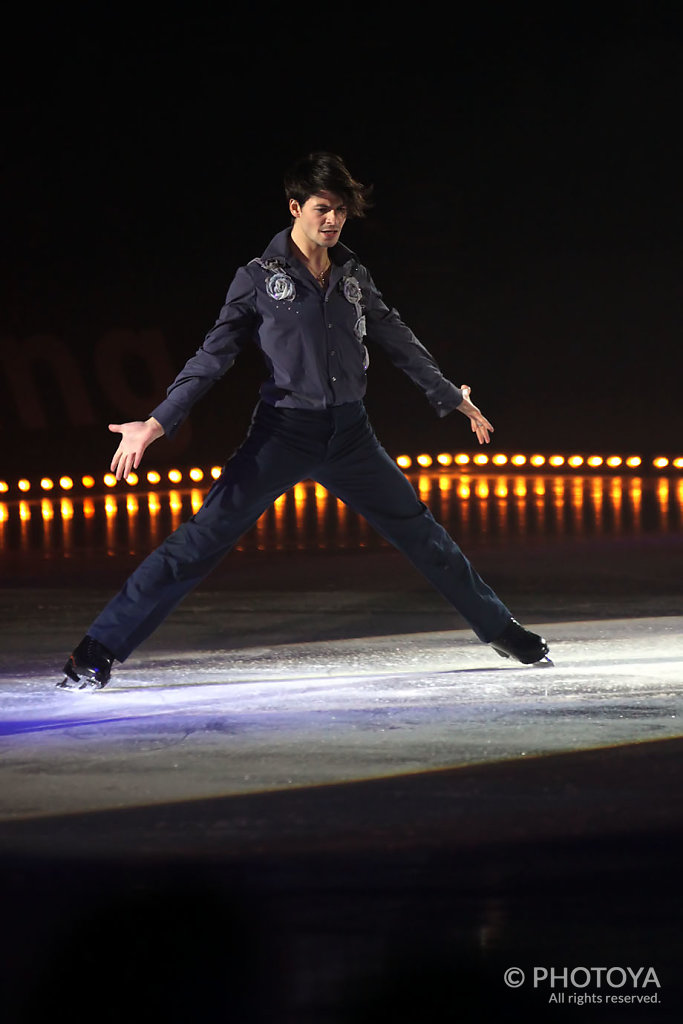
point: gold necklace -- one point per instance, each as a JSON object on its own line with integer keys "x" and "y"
{"x": 321, "y": 277}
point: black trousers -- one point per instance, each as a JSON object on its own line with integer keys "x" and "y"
{"x": 335, "y": 447}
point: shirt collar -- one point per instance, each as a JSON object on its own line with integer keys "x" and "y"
{"x": 278, "y": 248}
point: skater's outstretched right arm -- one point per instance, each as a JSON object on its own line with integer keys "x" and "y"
{"x": 136, "y": 437}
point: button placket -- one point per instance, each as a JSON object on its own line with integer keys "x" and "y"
{"x": 329, "y": 326}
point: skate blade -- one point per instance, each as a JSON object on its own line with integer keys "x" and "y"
{"x": 82, "y": 684}
{"x": 544, "y": 662}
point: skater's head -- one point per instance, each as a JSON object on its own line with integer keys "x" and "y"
{"x": 323, "y": 173}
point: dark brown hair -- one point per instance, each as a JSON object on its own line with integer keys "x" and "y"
{"x": 326, "y": 172}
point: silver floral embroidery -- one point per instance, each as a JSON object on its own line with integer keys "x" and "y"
{"x": 279, "y": 285}
{"x": 353, "y": 293}
{"x": 352, "y": 290}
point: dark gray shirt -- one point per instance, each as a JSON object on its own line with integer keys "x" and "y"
{"x": 314, "y": 341}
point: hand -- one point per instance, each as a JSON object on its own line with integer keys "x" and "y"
{"x": 136, "y": 437}
{"x": 480, "y": 425}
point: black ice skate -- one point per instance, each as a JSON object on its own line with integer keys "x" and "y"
{"x": 517, "y": 642}
{"x": 89, "y": 667}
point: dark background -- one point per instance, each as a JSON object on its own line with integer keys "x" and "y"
{"x": 527, "y": 222}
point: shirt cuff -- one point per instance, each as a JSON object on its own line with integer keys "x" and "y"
{"x": 170, "y": 416}
{"x": 446, "y": 399}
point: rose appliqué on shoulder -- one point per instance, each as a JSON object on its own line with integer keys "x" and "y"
{"x": 280, "y": 286}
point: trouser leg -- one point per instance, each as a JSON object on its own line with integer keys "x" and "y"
{"x": 362, "y": 474}
{"x": 277, "y": 453}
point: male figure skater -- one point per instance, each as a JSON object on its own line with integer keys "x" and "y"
{"x": 314, "y": 311}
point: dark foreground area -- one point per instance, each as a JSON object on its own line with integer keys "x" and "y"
{"x": 376, "y": 872}
{"x": 404, "y": 899}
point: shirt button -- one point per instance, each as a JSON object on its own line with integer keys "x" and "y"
{"x": 333, "y": 352}
{"x": 333, "y": 379}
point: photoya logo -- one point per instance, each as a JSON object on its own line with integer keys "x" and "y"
{"x": 628, "y": 980}
{"x": 598, "y": 977}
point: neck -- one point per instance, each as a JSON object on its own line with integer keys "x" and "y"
{"x": 315, "y": 257}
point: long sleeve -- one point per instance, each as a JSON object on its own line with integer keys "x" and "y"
{"x": 234, "y": 328}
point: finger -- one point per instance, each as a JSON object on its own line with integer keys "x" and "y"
{"x": 131, "y": 463}
{"x": 116, "y": 428}
{"x": 481, "y": 427}
{"x": 120, "y": 465}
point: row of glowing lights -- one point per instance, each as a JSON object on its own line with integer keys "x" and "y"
{"x": 466, "y": 488}
{"x": 67, "y": 483}
{"x": 196, "y": 475}
{"x": 573, "y": 461}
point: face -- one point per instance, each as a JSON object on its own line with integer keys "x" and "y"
{"x": 319, "y": 220}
